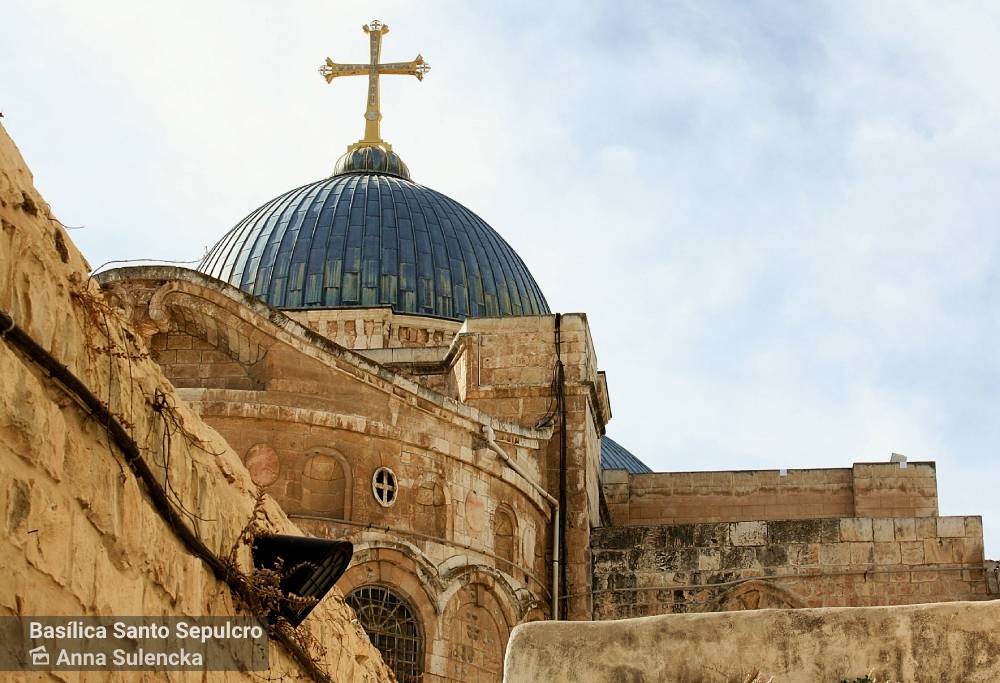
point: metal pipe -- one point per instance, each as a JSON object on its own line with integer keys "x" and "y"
{"x": 491, "y": 439}
{"x": 561, "y": 407}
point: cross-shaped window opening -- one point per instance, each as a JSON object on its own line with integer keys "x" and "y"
{"x": 384, "y": 486}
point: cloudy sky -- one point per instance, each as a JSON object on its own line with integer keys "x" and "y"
{"x": 780, "y": 217}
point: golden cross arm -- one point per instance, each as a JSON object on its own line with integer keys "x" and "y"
{"x": 418, "y": 67}
{"x": 331, "y": 70}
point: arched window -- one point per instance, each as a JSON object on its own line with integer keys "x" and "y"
{"x": 392, "y": 627}
{"x": 503, "y": 536}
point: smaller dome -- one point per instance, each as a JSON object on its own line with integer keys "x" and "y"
{"x": 371, "y": 159}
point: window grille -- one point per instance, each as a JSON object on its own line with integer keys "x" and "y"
{"x": 393, "y": 629}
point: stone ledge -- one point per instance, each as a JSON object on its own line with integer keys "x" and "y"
{"x": 957, "y": 641}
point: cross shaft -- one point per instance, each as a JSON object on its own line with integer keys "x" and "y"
{"x": 373, "y": 69}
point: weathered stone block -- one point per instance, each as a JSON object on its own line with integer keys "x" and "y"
{"x": 856, "y": 529}
{"x": 678, "y": 535}
{"x": 862, "y": 553}
{"x": 951, "y": 527}
{"x": 834, "y": 554}
{"x": 803, "y": 554}
{"x": 883, "y": 530}
{"x": 709, "y": 559}
{"x": 887, "y": 553}
{"x": 772, "y": 556}
{"x": 804, "y": 531}
{"x": 178, "y": 341}
{"x": 739, "y": 558}
{"x": 925, "y": 527}
{"x": 711, "y": 535}
{"x": 974, "y": 527}
{"x": 617, "y": 538}
{"x": 912, "y": 552}
{"x": 748, "y": 533}
{"x": 905, "y": 529}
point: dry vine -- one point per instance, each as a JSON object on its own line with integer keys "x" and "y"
{"x": 262, "y": 595}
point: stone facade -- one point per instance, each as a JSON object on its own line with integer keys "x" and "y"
{"x": 466, "y": 539}
{"x": 641, "y": 571}
{"x": 467, "y": 544}
{"x": 79, "y": 534}
{"x": 865, "y": 490}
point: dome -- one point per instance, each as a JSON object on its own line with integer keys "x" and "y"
{"x": 362, "y": 238}
{"x": 371, "y": 159}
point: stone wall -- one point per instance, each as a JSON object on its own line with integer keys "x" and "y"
{"x": 314, "y": 422}
{"x": 78, "y": 533}
{"x": 420, "y": 410}
{"x": 189, "y": 361}
{"x": 945, "y": 643}
{"x": 865, "y": 490}
{"x": 640, "y": 571}
{"x": 507, "y": 367}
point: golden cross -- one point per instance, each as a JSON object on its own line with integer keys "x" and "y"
{"x": 373, "y": 116}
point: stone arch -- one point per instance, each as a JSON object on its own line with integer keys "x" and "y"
{"x": 505, "y": 537}
{"x": 432, "y": 507}
{"x": 755, "y": 594}
{"x": 190, "y": 308}
{"x": 392, "y": 565}
{"x": 375, "y": 546}
{"x": 509, "y": 597}
{"x": 477, "y": 627}
{"x": 327, "y": 484}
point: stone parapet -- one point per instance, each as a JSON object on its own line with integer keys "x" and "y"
{"x": 957, "y": 642}
{"x": 865, "y": 490}
{"x": 851, "y": 561}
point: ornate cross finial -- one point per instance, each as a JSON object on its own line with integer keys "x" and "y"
{"x": 373, "y": 116}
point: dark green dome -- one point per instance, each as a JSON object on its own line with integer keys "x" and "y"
{"x": 371, "y": 159}
{"x": 360, "y": 239}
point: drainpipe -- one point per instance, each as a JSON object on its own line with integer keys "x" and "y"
{"x": 561, "y": 406}
{"x": 490, "y": 436}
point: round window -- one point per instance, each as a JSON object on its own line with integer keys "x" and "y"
{"x": 384, "y": 486}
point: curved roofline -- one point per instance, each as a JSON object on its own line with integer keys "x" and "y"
{"x": 314, "y": 340}
{"x": 368, "y": 239}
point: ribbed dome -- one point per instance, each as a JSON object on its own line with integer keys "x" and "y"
{"x": 360, "y": 240}
{"x": 371, "y": 159}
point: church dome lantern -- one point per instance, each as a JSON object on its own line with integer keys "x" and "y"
{"x": 369, "y": 236}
